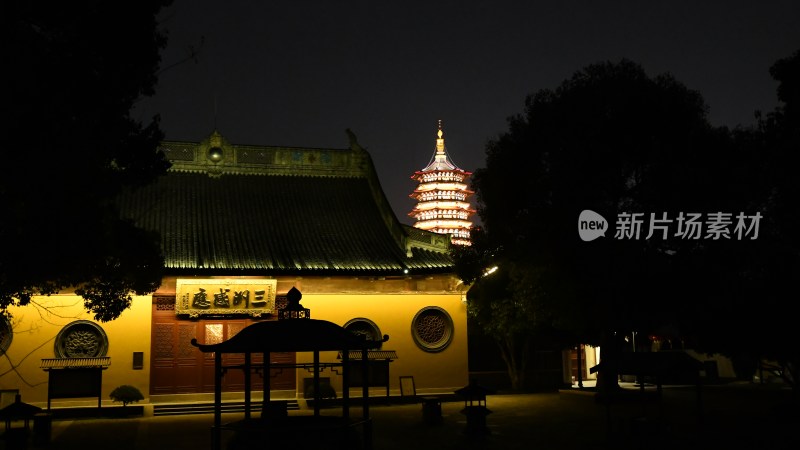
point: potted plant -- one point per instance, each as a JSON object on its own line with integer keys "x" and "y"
{"x": 126, "y": 394}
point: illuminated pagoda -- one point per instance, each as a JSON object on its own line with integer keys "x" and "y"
{"x": 442, "y": 197}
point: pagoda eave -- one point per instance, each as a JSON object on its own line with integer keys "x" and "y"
{"x": 456, "y": 170}
{"x": 466, "y": 192}
{"x": 429, "y": 188}
{"x": 438, "y": 223}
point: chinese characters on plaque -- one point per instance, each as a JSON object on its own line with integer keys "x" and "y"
{"x": 253, "y": 297}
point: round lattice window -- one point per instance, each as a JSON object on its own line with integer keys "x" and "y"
{"x": 6, "y": 334}
{"x": 432, "y": 329}
{"x": 81, "y": 339}
{"x": 364, "y": 327}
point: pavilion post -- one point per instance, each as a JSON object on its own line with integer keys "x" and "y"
{"x": 217, "y": 401}
{"x": 265, "y": 396}
{"x": 317, "y": 394}
{"x": 365, "y": 384}
{"x": 346, "y": 385}
{"x": 247, "y": 387}
{"x": 365, "y": 393}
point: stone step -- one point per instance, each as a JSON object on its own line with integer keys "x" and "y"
{"x": 207, "y": 408}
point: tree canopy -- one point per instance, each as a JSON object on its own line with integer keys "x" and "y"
{"x": 763, "y": 280}
{"x": 609, "y": 139}
{"x": 613, "y": 140}
{"x": 76, "y": 71}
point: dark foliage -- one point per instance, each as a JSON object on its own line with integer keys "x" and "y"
{"x": 612, "y": 139}
{"x": 762, "y": 281}
{"x": 78, "y": 69}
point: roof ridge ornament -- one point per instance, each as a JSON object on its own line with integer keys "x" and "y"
{"x": 215, "y": 153}
{"x": 354, "y": 145}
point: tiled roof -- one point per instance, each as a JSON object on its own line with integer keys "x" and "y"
{"x": 420, "y": 236}
{"x": 423, "y": 260}
{"x": 284, "y": 210}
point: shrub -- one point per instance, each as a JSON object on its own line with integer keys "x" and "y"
{"x": 326, "y": 391}
{"x": 126, "y": 394}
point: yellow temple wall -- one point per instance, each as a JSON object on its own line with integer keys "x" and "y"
{"x": 433, "y": 372}
{"x": 35, "y": 328}
{"x": 390, "y": 303}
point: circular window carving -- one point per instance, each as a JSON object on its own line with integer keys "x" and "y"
{"x": 432, "y": 329}
{"x": 364, "y": 327}
{"x": 81, "y": 339}
{"x": 6, "y": 334}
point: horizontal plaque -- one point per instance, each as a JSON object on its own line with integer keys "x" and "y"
{"x": 206, "y": 297}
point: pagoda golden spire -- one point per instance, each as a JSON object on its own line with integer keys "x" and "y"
{"x": 440, "y": 140}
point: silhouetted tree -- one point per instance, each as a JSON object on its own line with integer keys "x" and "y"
{"x": 505, "y": 304}
{"x": 781, "y": 131}
{"x": 761, "y": 276}
{"x": 612, "y": 140}
{"x": 74, "y": 71}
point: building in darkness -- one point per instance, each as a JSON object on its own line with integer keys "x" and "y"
{"x": 240, "y": 226}
{"x": 442, "y": 197}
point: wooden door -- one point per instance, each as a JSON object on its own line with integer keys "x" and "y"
{"x": 574, "y": 363}
{"x": 177, "y": 367}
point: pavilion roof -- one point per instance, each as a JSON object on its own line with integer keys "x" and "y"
{"x": 293, "y": 335}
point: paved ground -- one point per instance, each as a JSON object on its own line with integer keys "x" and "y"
{"x": 737, "y": 416}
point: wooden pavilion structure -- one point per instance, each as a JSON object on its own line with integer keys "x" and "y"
{"x": 295, "y": 331}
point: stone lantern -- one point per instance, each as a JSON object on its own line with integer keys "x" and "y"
{"x": 17, "y": 437}
{"x": 475, "y": 407}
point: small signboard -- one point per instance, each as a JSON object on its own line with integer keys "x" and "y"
{"x": 215, "y": 297}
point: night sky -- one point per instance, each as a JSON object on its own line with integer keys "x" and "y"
{"x": 298, "y": 73}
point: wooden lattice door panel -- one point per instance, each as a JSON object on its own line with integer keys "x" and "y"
{"x": 176, "y": 364}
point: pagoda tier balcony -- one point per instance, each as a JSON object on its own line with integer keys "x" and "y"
{"x": 439, "y": 195}
{"x": 441, "y": 175}
{"x": 442, "y": 204}
{"x": 433, "y": 224}
{"x": 442, "y": 214}
{"x": 422, "y": 217}
{"x": 442, "y": 186}
{"x": 456, "y": 234}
